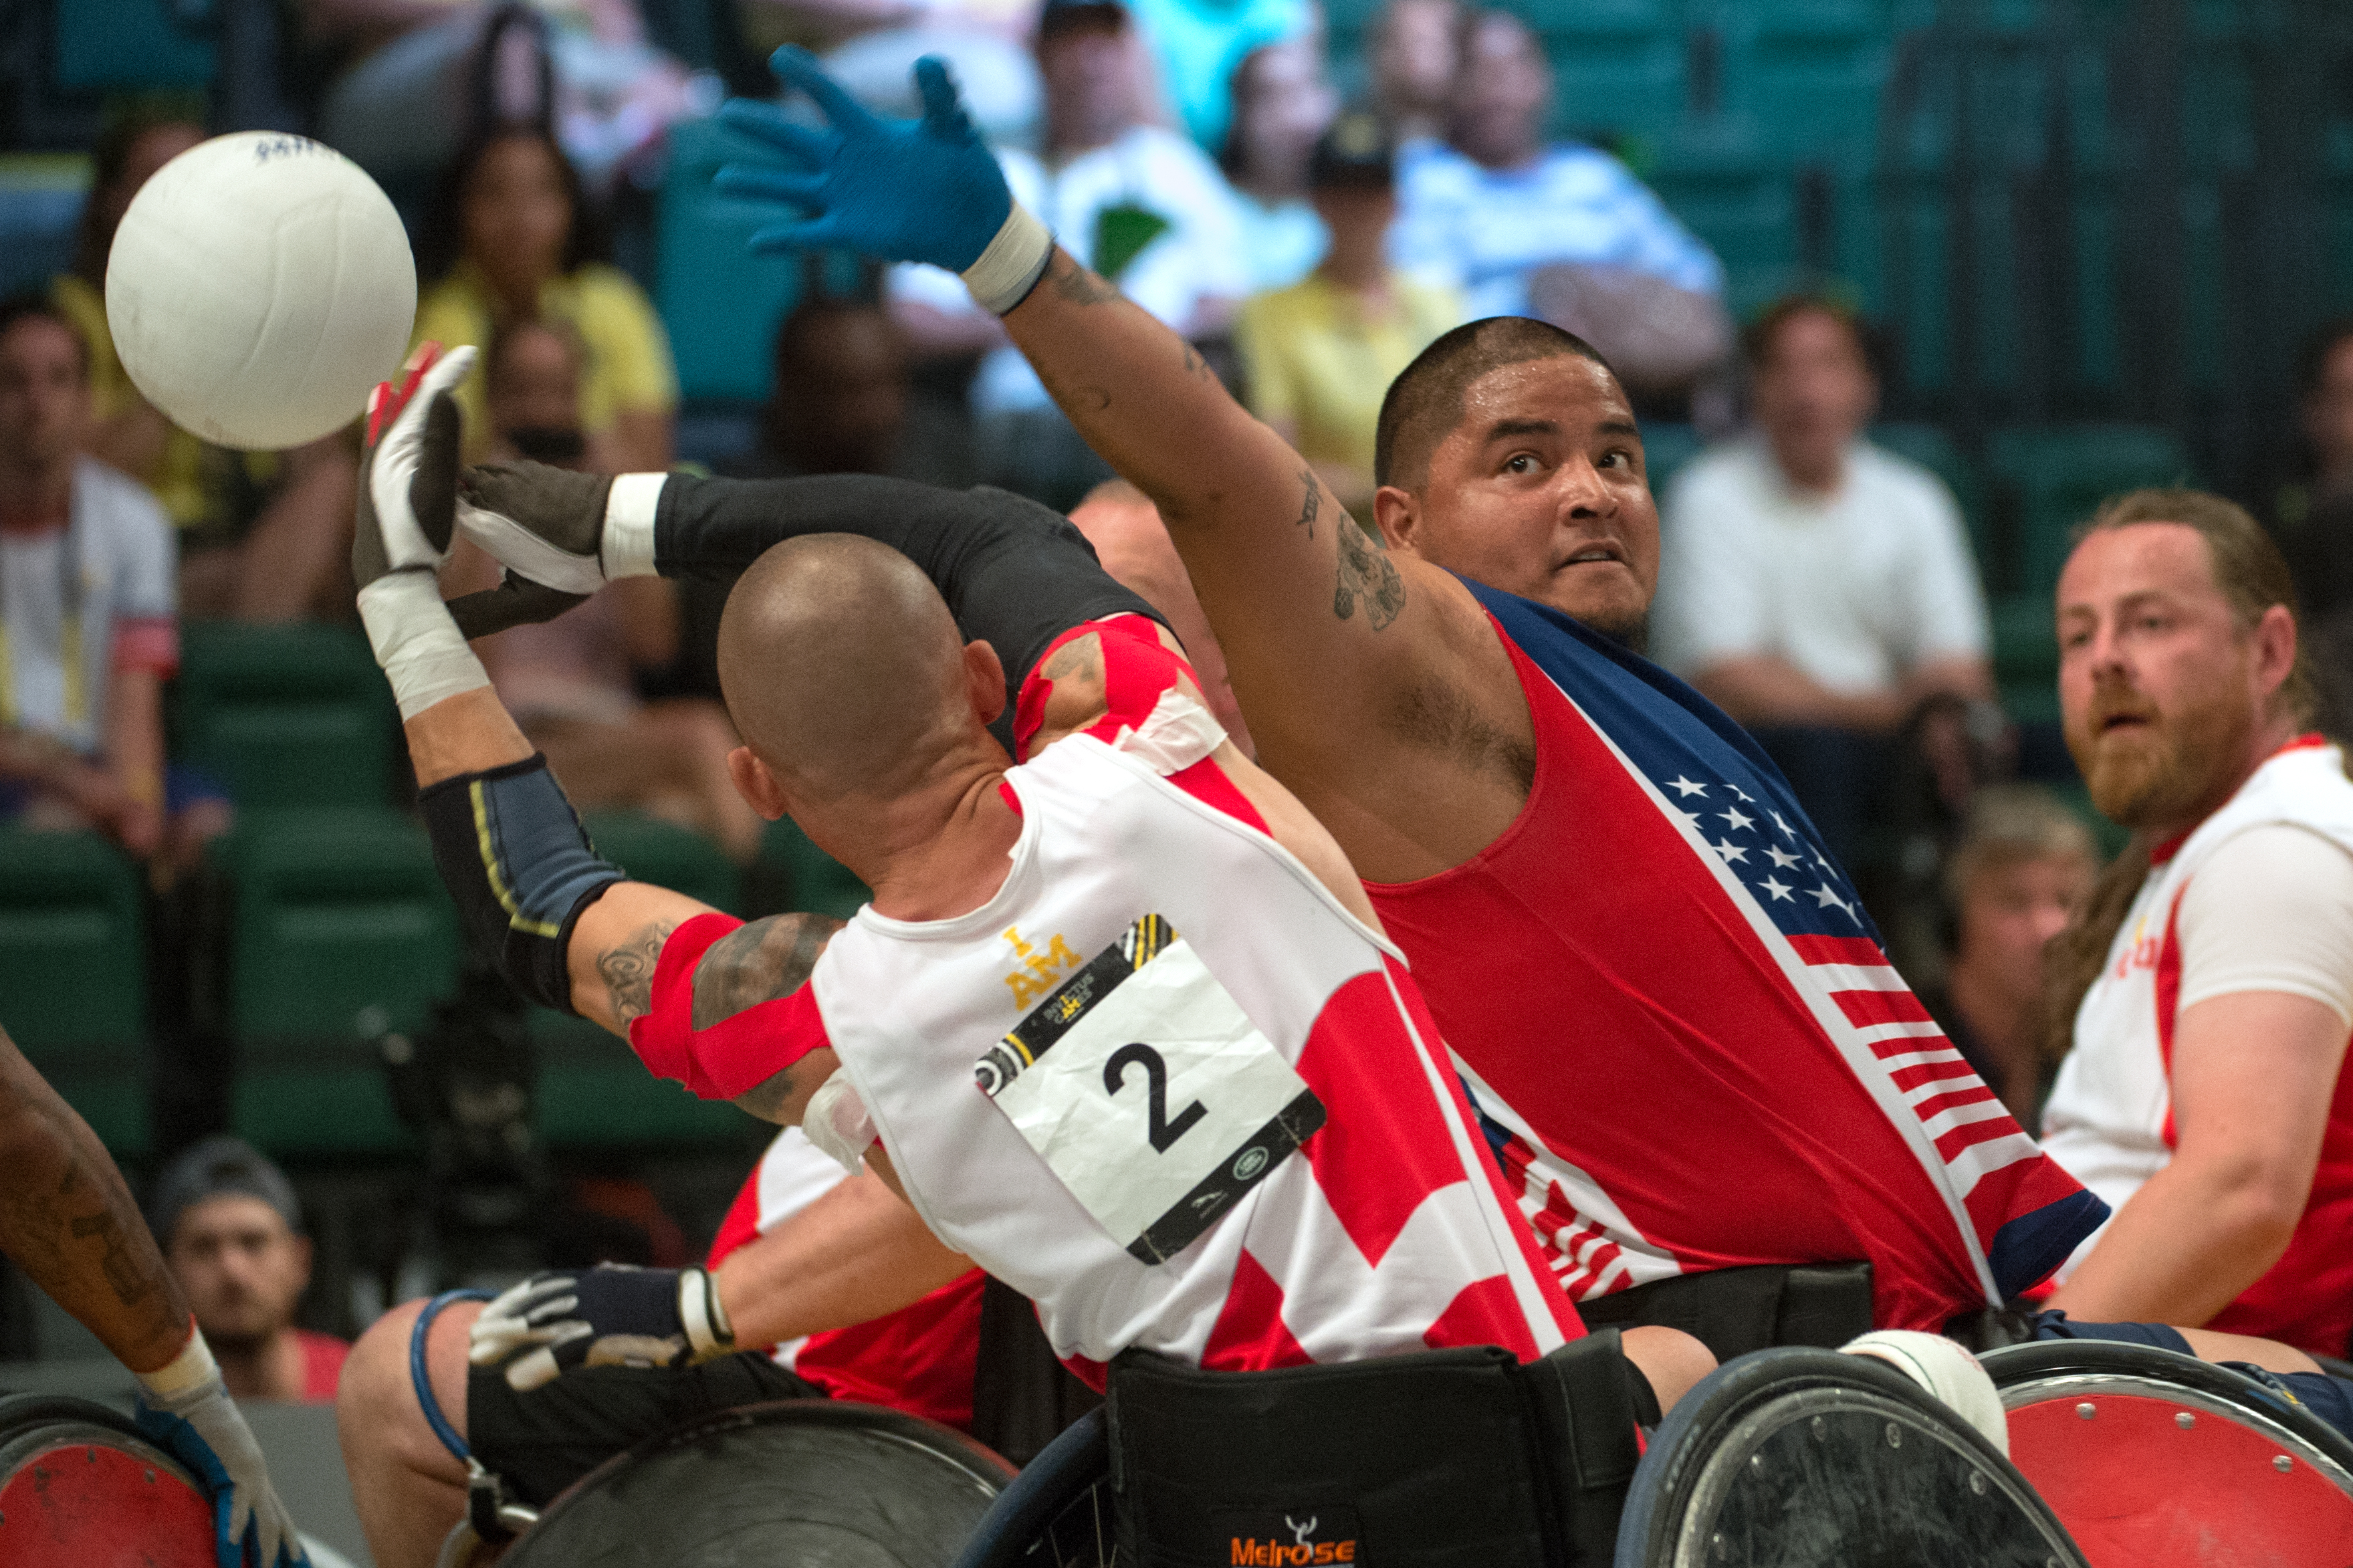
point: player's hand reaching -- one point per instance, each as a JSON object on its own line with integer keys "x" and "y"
{"x": 611, "y": 1315}
{"x": 204, "y": 1430}
{"x": 546, "y": 527}
{"x": 408, "y": 470}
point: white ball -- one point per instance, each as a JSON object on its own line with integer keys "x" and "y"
{"x": 259, "y": 287}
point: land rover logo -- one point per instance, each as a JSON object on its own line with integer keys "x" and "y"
{"x": 1252, "y": 1161}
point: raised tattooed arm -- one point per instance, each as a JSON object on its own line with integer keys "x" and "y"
{"x": 1322, "y": 628}
{"x": 68, "y": 1221}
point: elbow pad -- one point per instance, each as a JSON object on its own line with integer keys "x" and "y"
{"x": 511, "y": 852}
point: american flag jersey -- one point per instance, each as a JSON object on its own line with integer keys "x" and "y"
{"x": 1686, "y": 1045}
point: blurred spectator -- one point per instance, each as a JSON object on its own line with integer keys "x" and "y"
{"x": 1413, "y": 66}
{"x": 1495, "y": 206}
{"x": 420, "y": 77}
{"x": 2314, "y": 513}
{"x": 1199, "y": 44}
{"x": 1141, "y": 205}
{"x": 511, "y": 242}
{"x": 843, "y": 399}
{"x": 1815, "y": 586}
{"x": 1320, "y": 355}
{"x": 570, "y": 682}
{"x": 2021, "y": 864}
{"x": 1282, "y": 105}
{"x": 1125, "y": 530}
{"x": 231, "y": 1233}
{"x": 263, "y": 536}
{"x": 86, "y": 623}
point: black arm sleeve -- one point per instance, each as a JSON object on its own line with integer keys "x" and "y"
{"x": 1015, "y": 573}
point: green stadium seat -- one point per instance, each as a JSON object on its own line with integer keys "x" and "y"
{"x": 73, "y": 974}
{"x": 594, "y": 1093}
{"x": 116, "y": 44}
{"x": 1744, "y": 206}
{"x": 2025, "y": 656}
{"x": 339, "y": 931}
{"x": 1666, "y": 447}
{"x": 668, "y": 855}
{"x": 293, "y": 715}
{"x": 2057, "y": 477}
{"x": 794, "y": 874}
{"x": 1619, "y": 66}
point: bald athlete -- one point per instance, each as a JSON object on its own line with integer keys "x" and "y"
{"x": 866, "y": 719}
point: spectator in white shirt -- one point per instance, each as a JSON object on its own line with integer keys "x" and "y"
{"x": 1137, "y": 202}
{"x": 1496, "y": 206}
{"x": 1815, "y": 587}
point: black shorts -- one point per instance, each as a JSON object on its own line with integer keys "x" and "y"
{"x": 543, "y": 1441}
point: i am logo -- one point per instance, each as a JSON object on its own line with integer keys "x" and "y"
{"x": 1040, "y": 967}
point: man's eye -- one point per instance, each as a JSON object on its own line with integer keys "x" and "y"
{"x": 1520, "y": 463}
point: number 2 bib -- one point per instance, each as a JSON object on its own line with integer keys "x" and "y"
{"x": 1148, "y": 1092}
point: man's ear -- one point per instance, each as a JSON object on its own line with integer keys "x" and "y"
{"x": 984, "y": 680}
{"x": 1397, "y": 519}
{"x": 757, "y": 786}
{"x": 2275, "y": 651}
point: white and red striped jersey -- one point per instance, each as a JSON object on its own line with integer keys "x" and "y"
{"x": 919, "y": 1358}
{"x": 1163, "y": 1082}
{"x": 2110, "y": 1117}
{"x": 1675, "y": 1017}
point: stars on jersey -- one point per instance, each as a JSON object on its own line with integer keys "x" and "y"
{"x": 1786, "y": 870}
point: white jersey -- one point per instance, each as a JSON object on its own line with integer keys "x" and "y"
{"x": 2110, "y": 1118}
{"x": 1180, "y": 1025}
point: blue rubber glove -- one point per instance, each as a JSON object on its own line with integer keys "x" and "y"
{"x": 899, "y": 190}
{"x": 204, "y": 1430}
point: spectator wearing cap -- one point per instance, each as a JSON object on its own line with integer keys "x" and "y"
{"x": 1318, "y": 355}
{"x": 232, "y": 1235}
{"x": 1139, "y": 204}
{"x": 1282, "y": 105}
{"x": 1817, "y": 588}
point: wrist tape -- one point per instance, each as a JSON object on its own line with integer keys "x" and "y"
{"x": 511, "y": 852}
{"x": 626, "y": 549}
{"x": 708, "y": 1331}
{"x": 837, "y": 1123}
{"x": 417, "y": 644}
{"x": 1002, "y": 276}
{"x": 191, "y": 1368}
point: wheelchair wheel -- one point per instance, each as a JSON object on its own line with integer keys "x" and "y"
{"x": 1058, "y": 1514}
{"x": 795, "y": 1482}
{"x": 1805, "y": 1459}
{"x": 80, "y": 1485}
{"x": 2155, "y": 1460}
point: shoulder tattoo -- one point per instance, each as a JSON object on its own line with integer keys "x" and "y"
{"x": 758, "y": 962}
{"x": 1366, "y": 574}
{"x": 628, "y": 971}
{"x": 1313, "y": 504}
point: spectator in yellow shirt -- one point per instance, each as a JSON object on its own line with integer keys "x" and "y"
{"x": 262, "y": 535}
{"x": 513, "y": 235}
{"x": 1318, "y": 355}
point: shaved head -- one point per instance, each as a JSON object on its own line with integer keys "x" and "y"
{"x": 842, "y": 668}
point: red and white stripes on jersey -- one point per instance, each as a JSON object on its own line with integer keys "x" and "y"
{"x": 1371, "y": 1224}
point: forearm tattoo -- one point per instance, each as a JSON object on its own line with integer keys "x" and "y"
{"x": 1312, "y": 505}
{"x": 1081, "y": 287}
{"x": 628, "y": 971}
{"x": 758, "y": 962}
{"x": 1366, "y": 574}
{"x": 122, "y": 1268}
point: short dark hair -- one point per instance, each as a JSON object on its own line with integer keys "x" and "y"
{"x": 1760, "y": 337}
{"x": 1424, "y": 404}
{"x": 20, "y": 308}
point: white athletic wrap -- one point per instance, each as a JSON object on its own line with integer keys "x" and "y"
{"x": 629, "y": 506}
{"x": 1945, "y": 1371}
{"x": 1003, "y": 274}
{"x": 416, "y": 642}
{"x": 194, "y": 1365}
{"x": 708, "y": 1331}
{"x": 837, "y": 1123}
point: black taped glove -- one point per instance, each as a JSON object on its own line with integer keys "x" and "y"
{"x": 611, "y": 1315}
